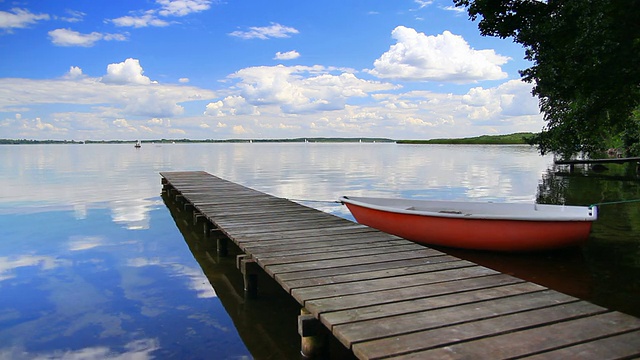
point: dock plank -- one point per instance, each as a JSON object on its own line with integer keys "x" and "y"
{"x": 623, "y": 346}
{"x": 385, "y": 297}
{"x": 348, "y": 262}
{"x": 380, "y": 327}
{"x": 416, "y": 342}
{"x": 381, "y": 284}
{"x": 436, "y": 264}
{"x": 321, "y": 306}
{"x": 519, "y": 343}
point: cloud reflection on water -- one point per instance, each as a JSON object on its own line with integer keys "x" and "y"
{"x": 100, "y": 288}
{"x": 197, "y": 280}
{"x": 92, "y": 265}
{"x": 135, "y": 350}
{"x": 9, "y": 264}
{"x": 127, "y": 181}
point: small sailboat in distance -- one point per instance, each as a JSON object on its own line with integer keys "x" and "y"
{"x": 138, "y": 144}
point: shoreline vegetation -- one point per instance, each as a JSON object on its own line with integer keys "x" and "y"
{"x": 510, "y": 139}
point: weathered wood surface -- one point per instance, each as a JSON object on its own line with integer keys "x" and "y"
{"x": 385, "y": 297}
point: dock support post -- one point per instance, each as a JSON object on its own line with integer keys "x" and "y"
{"x": 188, "y": 206}
{"x": 196, "y": 216}
{"x": 205, "y": 228}
{"x": 249, "y": 269}
{"x": 221, "y": 246}
{"x": 312, "y": 342}
{"x": 221, "y": 241}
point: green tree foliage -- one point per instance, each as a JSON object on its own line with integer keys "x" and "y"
{"x": 586, "y": 66}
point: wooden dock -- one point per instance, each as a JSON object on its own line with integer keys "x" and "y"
{"x": 384, "y": 297}
{"x": 572, "y": 163}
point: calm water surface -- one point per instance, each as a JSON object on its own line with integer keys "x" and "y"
{"x": 95, "y": 264}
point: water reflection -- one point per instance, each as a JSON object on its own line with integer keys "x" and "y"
{"x": 93, "y": 289}
{"x": 9, "y": 265}
{"x": 92, "y": 262}
{"x": 138, "y": 349}
{"x": 612, "y": 253}
{"x": 606, "y": 270}
{"x": 268, "y": 324}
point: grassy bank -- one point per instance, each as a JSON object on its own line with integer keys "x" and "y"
{"x": 510, "y": 139}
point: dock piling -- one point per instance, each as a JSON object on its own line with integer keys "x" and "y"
{"x": 249, "y": 269}
{"x": 222, "y": 246}
{"x": 197, "y": 216}
{"x": 312, "y": 341}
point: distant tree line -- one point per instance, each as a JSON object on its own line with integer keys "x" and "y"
{"x": 26, "y": 141}
{"x": 511, "y": 139}
{"x": 169, "y": 141}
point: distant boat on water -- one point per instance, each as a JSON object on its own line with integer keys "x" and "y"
{"x": 138, "y": 144}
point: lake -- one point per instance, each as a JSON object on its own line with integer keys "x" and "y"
{"x": 96, "y": 264}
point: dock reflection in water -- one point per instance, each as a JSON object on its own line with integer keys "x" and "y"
{"x": 606, "y": 269}
{"x": 268, "y": 324}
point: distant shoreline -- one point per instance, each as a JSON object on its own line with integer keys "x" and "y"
{"x": 171, "y": 141}
{"x": 510, "y": 139}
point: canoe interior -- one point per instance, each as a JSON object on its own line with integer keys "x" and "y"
{"x": 478, "y": 210}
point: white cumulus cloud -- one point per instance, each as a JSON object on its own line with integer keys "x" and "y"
{"x": 18, "y": 18}
{"x": 300, "y": 89}
{"x": 144, "y": 20}
{"x": 289, "y": 55}
{"x": 168, "y": 8}
{"x": 74, "y": 16}
{"x": 511, "y": 99}
{"x": 127, "y": 72}
{"x": 121, "y": 102}
{"x": 423, "y": 3}
{"x": 445, "y": 57}
{"x": 275, "y": 30}
{"x": 182, "y": 7}
{"x": 231, "y": 105}
{"x": 68, "y": 37}
{"x": 74, "y": 73}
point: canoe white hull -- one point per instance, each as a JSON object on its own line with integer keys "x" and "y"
{"x": 480, "y": 226}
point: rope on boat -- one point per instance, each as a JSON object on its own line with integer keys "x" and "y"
{"x": 590, "y": 206}
{"x": 614, "y": 202}
{"x": 317, "y": 201}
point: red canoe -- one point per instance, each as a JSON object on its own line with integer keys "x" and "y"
{"x": 475, "y": 225}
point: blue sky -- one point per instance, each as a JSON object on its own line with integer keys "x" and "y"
{"x": 205, "y": 69}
